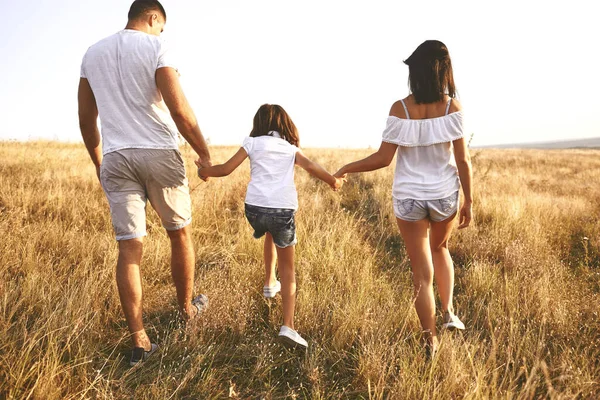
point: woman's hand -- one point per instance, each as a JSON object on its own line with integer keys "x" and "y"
{"x": 341, "y": 174}
{"x": 465, "y": 216}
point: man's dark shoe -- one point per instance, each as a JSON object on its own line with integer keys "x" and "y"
{"x": 139, "y": 354}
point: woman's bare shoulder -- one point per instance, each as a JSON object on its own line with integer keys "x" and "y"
{"x": 397, "y": 109}
{"x": 455, "y": 106}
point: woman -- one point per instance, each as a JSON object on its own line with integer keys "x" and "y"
{"x": 426, "y": 130}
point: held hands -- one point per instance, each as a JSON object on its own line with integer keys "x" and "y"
{"x": 339, "y": 182}
{"x": 202, "y": 164}
{"x": 340, "y": 178}
{"x": 465, "y": 216}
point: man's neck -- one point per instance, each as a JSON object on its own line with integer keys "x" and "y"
{"x": 136, "y": 26}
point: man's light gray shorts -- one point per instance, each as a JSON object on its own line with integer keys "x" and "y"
{"x": 416, "y": 210}
{"x": 130, "y": 177}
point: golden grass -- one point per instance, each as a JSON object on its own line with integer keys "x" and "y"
{"x": 527, "y": 286}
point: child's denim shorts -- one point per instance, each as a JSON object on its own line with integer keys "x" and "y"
{"x": 279, "y": 222}
{"x": 416, "y": 210}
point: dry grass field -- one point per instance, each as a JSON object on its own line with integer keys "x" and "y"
{"x": 527, "y": 286}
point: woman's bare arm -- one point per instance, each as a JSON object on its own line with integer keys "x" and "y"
{"x": 380, "y": 159}
{"x": 463, "y": 163}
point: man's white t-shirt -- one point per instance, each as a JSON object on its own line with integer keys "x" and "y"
{"x": 121, "y": 72}
{"x": 272, "y": 161}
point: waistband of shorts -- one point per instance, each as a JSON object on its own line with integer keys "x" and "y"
{"x": 138, "y": 147}
{"x": 427, "y": 198}
{"x": 266, "y": 210}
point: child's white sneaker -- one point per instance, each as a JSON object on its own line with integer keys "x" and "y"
{"x": 291, "y": 338}
{"x": 271, "y": 291}
{"x": 452, "y": 322}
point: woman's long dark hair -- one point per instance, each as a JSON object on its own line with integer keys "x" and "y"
{"x": 272, "y": 117}
{"x": 430, "y": 72}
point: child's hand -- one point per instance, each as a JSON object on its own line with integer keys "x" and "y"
{"x": 202, "y": 165}
{"x": 339, "y": 182}
{"x": 203, "y": 177}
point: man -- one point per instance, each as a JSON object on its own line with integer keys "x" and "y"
{"x": 129, "y": 81}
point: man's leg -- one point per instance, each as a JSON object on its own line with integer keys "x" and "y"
{"x": 129, "y": 282}
{"x": 182, "y": 268}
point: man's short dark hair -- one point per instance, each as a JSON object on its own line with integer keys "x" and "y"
{"x": 140, "y": 8}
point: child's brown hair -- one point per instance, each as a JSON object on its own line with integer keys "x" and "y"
{"x": 272, "y": 117}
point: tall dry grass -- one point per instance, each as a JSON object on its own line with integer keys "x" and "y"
{"x": 527, "y": 286}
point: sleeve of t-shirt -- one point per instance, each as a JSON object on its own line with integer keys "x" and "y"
{"x": 247, "y": 145}
{"x": 165, "y": 57}
{"x": 82, "y": 73}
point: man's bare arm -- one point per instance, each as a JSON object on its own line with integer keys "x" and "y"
{"x": 88, "y": 116}
{"x": 167, "y": 80}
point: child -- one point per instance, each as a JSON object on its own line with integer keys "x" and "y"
{"x": 272, "y": 201}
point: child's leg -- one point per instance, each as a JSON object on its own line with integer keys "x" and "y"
{"x": 287, "y": 274}
{"x": 270, "y": 260}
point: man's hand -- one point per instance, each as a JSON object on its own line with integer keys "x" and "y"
{"x": 202, "y": 164}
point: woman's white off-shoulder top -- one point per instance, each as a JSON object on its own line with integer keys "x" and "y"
{"x": 425, "y": 166}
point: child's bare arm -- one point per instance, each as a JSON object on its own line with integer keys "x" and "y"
{"x": 381, "y": 158}
{"x": 223, "y": 169}
{"x": 319, "y": 172}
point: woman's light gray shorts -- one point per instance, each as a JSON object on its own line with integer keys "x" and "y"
{"x": 416, "y": 210}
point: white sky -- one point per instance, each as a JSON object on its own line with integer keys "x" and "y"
{"x": 525, "y": 70}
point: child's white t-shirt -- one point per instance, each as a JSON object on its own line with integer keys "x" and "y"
{"x": 121, "y": 70}
{"x": 272, "y": 161}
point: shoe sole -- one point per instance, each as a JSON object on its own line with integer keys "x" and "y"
{"x": 270, "y": 295}
{"x": 289, "y": 342}
{"x": 268, "y": 291}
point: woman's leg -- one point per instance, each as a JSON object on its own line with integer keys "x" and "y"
{"x": 287, "y": 275}
{"x": 270, "y": 257}
{"x": 442, "y": 262}
{"x": 416, "y": 240}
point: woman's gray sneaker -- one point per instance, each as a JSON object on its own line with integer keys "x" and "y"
{"x": 201, "y": 303}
